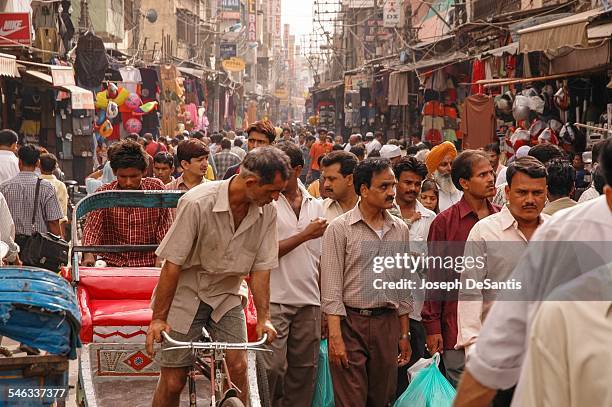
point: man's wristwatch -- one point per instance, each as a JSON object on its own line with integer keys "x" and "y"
{"x": 405, "y": 336}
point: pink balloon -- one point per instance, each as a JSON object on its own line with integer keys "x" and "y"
{"x": 133, "y": 101}
{"x": 133, "y": 125}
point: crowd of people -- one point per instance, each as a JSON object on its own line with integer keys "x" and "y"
{"x": 303, "y": 216}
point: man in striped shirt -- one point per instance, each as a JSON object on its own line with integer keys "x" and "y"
{"x": 20, "y": 194}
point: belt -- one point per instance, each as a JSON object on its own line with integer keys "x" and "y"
{"x": 370, "y": 312}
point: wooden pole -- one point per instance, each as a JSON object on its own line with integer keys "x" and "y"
{"x": 488, "y": 83}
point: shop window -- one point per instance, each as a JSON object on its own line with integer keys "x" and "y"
{"x": 186, "y": 26}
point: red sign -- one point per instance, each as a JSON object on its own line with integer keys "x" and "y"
{"x": 15, "y": 29}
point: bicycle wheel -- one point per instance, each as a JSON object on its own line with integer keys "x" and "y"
{"x": 262, "y": 382}
{"x": 232, "y": 402}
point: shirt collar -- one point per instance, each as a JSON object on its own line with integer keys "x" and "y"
{"x": 508, "y": 220}
{"x": 465, "y": 209}
{"x": 222, "y": 199}
{"x": 355, "y": 216}
{"x": 49, "y": 177}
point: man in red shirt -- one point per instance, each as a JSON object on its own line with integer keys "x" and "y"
{"x": 127, "y": 226}
{"x": 152, "y": 146}
{"x": 322, "y": 146}
{"x": 471, "y": 173}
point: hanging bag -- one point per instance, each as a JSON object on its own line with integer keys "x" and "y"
{"x": 428, "y": 388}
{"x": 44, "y": 250}
{"x": 324, "y": 389}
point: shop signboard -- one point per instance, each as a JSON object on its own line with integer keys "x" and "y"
{"x": 252, "y": 23}
{"x": 361, "y": 3}
{"x": 228, "y": 50}
{"x": 15, "y": 29}
{"x": 230, "y": 9}
{"x": 391, "y": 13}
{"x": 234, "y": 64}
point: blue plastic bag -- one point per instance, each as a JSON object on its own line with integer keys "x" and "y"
{"x": 428, "y": 388}
{"x": 324, "y": 389}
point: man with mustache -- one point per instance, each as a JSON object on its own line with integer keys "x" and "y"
{"x": 410, "y": 173}
{"x": 501, "y": 238}
{"x": 337, "y": 170}
{"x": 473, "y": 174}
{"x": 366, "y": 325}
{"x": 439, "y": 161}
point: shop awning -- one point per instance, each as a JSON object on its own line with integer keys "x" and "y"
{"x": 80, "y": 98}
{"x": 40, "y": 75}
{"x": 328, "y": 86}
{"x": 511, "y": 49}
{"x": 8, "y": 66}
{"x": 602, "y": 31}
{"x": 570, "y": 31}
{"x": 429, "y": 63}
{"x": 198, "y": 73}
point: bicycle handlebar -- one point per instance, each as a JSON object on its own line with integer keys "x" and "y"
{"x": 215, "y": 345}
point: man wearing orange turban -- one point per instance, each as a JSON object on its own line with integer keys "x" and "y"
{"x": 439, "y": 161}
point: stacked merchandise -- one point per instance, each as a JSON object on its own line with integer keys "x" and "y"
{"x": 327, "y": 116}
{"x": 440, "y": 123}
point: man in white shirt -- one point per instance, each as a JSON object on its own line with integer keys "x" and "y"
{"x": 410, "y": 173}
{"x": 501, "y": 239}
{"x": 9, "y": 163}
{"x": 7, "y": 234}
{"x": 573, "y": 242}
{"x": 354, "y": 139}
{"x": 493, "y": 153}
{"x": 295, "y": 304}
{"x": 373, "y": 142}
{"x": 439, "y": 162}
{"x": 337, "y": 171}
{"x": 557, "y": 373}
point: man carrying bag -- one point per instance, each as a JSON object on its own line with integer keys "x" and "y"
{"x": 36, "y": 212}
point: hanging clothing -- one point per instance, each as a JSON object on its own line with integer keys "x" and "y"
{"x": 398, "y": 89}
{"x": 479, "y": 121}
{"x": 131, "y": 78}
{"x": 47, "y": 39}
{"x": 150, "y": 84}
{"x": 91, "y": 61}
{"x": 478, "y": 73}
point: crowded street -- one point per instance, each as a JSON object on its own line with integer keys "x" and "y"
{"x": 350, "y": 203}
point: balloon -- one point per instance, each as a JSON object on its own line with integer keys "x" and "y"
{"x": 101, "y": 100}
{"x": 133, "y": 102}
{"x": 112, "y": 110}
{"x": 146, "y": 108}
{"x": 133, "y": 125}
{"x": 112, "y": 91}
{"x": 121, "y": 96}
{"x": 106, "y": 130}
{"x": 101, "y": 117}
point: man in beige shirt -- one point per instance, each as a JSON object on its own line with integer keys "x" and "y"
{"x": 561, "y": 185}
{"x": 337, "y": 173}
{"x": 224, "y": 231}
{"x": 500, "y": 240}
{"x": 192, "y": 156}
{"x": 368, "y": 321}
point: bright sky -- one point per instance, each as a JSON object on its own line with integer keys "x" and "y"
{"x": 297, "y": 13}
